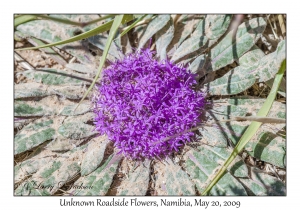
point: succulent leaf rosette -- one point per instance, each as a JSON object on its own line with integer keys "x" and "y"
{"x": 148, "y": 102}
{"x": 141, "y": 102}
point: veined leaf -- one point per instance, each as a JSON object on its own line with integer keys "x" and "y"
{"x": 192, "y": 44}
{"x": 23, "y": 19}
{"x": 33, "y": 89}
{"x": 97, "y": 182}
{"x": 251, "y": 130}
{"x": 55, "y": 77}
{"x": 201, "y": 167}
{"x": 216, "y": 25}
{"x": 250, "y": 58}
{"x": 233, "y": 46}
{"x": 185, "y": 25}
{"x": 94, "y": 155}
{"x": 153, "y": 27}
{"x": 34, "y": 134}
{"x": 171, "y": 180}
{"x": 49, "y": 106}
{"x": 269, "y": 65}
{"x": 117, "y": 21}
{"x": 231, "y": 83}
{"x": 128, "y": 28}
{"x": 163, "y": 39}
{"x": 211, "y": 28}
{"x": 95, "y": 31}
{"x": 49, "y": 178}
{"x": 137, "y": 181}
{"x": 243, "y": 77}
{"x": 263, "y": 184}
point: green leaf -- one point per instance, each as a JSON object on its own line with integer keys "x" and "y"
{"x": 76, "y": 130}
{"x": 172, "y": 180}
{"x": 264, "y": 68}
{"x": 35, "y": 134}
{"x": 55, "y": 77}
{"x": 231, "y": 83}
{"x": 269, "y": 65}
{"x": 268, "y": 147}
{"x": 223, "y": 110}
{"x": 202, "y": 165}
{"x": 60, "y": 34}
{"x": 218, "y": 155}
{"x": 49, "y": 106}
{"x": 70, "y": 92}
{"x": 70, "y": 31}
{"x": 250, "y": 58}
{"x": 192, "y": 44}
{"x": 184, "y": 27}
{"x": 282, "y": 87}
{"x": 137, "y": 180}
{"x": 251, "y": 130}
{"x": 32, "y": 164}
{"x": 33, "y": 89}
{"x": 100, "y": 41}
{"x": 97, "y": 182}
{"x": 264, "y": 184}
{"x": 211, "y": 28}
{"x": 233, "y": 46}
{"x": 49, "y": 51}
{"x": 57, "y": 18}
{"x": 153, "y": 27}
{"x": 26, "y": 90}
{"x": 45, "y": 129}
{"x": 114, "y": 28}
{"x": 23, "y": 19}
{"x": 213, "y": 136}
{"x": 81, "y": 68}
{"x": 242, "y": 105}
{"x": 163, "y": 38}
{"x": 128, "y": 28}
{"x": 52, "y": 176}
{"x": 54, "y": 32}
{"x": 244, "y": 76}
{"x": 94, "y": 155}
{"x": 216, "y": 25}
{"x": 253, "y": 187}
{"x": 198, "y": 65}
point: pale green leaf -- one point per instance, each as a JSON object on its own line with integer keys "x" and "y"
{"x": 94, "y": 155}
{"x": 233, "y": 46}
{"x": 172, "y": 180}
{"x": 163, "y": 38}
{"x": 153, "y": 27}
{"x": 137, "y": 180}
{"x": 201, "y": 168}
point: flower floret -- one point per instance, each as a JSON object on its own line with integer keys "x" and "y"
{"x": 141, "y": 102}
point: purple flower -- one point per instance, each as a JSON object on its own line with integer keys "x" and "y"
{"x": 141, "y": 102}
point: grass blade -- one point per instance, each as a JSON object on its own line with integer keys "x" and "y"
{"x": 132, "y": 25}
{"x": 251, "y": 130}
{"x": 23, "y": 19}
{"x": 112, "y": 32}
{"x": 69, "y": 22}
{"x": 95, "y": 31}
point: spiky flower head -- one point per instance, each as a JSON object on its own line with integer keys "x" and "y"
{"x": 140, "y": 102}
